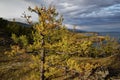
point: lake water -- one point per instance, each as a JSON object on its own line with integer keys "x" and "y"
{"x": 115, "y": 35}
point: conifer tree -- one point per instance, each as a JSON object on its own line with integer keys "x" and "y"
{"x": 48, "y": 22}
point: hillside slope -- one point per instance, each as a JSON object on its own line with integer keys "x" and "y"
{"x": 19, "y": 66}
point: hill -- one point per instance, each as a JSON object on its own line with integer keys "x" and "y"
{"x": 25, "y": 66}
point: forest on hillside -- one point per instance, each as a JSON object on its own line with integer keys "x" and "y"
{"x": 47, "y": 50}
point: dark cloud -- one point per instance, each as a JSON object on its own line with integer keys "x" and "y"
{"x": 85, "y": 14}
{"x": 90, "y": 13}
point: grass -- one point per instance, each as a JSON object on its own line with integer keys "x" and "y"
{"x": 19, "y": 68}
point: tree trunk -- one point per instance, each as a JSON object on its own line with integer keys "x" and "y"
{"x": 42, "y": 60}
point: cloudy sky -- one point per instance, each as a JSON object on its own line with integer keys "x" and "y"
{"x": 90, "y": 15}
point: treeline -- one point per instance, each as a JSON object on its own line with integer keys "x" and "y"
{"x": 17, "y": 28}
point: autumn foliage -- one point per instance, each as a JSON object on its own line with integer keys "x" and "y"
{"x": 54, "y": 51}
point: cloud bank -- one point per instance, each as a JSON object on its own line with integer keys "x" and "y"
{"x": 90, "y": 15}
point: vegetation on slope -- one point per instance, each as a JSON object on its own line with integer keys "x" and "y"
{"x": 48, "y": 51}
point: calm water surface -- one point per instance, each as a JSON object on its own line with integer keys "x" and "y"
{"x": 115, "y": 35}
